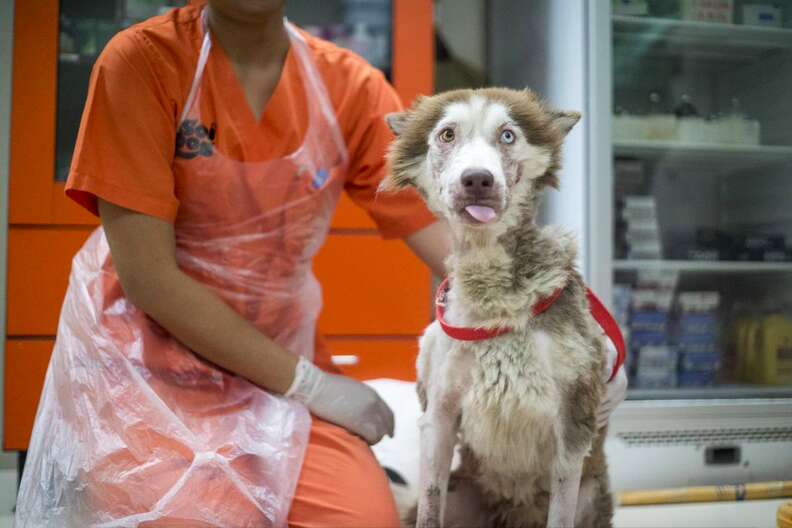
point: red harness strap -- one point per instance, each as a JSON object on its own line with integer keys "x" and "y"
{"x": 610, "y": 327}
{"x": 461, "y": 333}
{"x": 598, "y": 312}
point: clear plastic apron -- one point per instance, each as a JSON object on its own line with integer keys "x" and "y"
{"x": 135, "y": 430}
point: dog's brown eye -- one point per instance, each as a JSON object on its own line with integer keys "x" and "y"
{"x": 507, "y": 137}
{"x": 447, "y": 135}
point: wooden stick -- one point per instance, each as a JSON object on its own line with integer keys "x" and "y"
{"x": 731, "y": 492}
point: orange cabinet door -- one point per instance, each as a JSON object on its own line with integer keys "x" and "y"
{"x": 39, "y": 262}
{"x": 372, "y": 287}
{"x": 35, "y": 197}
{"x": 25, "y": 365}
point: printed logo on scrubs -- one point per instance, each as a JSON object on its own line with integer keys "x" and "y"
{"x": 194, "y": 139}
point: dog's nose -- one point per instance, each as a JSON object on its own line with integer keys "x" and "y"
{"x": 477, "y": 180}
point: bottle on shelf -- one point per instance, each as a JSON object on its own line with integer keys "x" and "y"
{"x": 762, "y": 343}
{"x": 655, "y": 104}
{"x": 686, "y": 108}
{"x": 691, "y": 127}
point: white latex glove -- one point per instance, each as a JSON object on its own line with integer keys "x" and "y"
{"x": 615, "y": 390}
{"x": 343, "y": 401}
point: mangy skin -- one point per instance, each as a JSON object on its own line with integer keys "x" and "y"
{"x": 521, "y": 406}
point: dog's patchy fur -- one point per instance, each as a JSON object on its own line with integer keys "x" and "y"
{"x": 522, "y": 406}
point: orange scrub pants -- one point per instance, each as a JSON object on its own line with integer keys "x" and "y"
{"x": 341, "y": 484}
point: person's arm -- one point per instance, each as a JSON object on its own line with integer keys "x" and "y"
{"x": 143, "y": 251}
{"x": 432, "y": 245}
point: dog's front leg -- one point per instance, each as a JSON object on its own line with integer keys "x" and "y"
{"x": 439, "y": 424}
{"x": 438, "y": 438}
{"x": 564, "y": 490}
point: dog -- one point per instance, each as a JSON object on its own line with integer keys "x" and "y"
{"x": 510, "y": 371}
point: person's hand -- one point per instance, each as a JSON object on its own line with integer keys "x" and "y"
{"x": 615, "y": 389}
{"x": 343, "y": 401}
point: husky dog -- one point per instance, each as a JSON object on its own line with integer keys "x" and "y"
{"x": 513, "y": 375}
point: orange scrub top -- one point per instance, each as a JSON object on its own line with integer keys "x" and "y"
{"x": 138, "y": 87}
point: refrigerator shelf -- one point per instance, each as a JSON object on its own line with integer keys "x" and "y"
{"x": 703, "y": 266}
{"x": 704, "y": 40}
{"x": 732, "y": 156}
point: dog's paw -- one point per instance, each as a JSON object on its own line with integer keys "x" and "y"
{"x": 429, "y": 509}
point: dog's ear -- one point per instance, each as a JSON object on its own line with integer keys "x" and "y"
{"x": 399, "y": 174}
{"x": 564, "y": 121}
{"x": 395, "y": 179}
{"x": 391, "y": 183}
{"x": 397, "y": 121}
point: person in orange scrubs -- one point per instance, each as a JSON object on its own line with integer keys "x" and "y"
{"x": 214, "y": 143}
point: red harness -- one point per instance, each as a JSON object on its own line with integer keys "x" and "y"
{"x": 598, "y": 311}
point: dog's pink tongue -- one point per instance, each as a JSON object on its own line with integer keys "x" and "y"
{"x": 481, "y": 213}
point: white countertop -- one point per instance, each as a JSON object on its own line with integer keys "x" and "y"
{"x": 748, "y": 514}
{"x": 743, "y": 514}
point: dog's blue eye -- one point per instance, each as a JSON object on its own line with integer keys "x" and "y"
{"x": 507, "y": 136}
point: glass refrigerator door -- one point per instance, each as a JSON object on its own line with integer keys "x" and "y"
{"x": 702, "y": 145}
{"x": 363, "y": 26}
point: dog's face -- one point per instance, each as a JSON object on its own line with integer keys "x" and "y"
{"x": 477, "y": 155}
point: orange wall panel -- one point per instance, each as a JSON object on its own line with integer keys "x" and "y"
{"x": 25, "y": 366}
{"x": 39, "y": 261}
{"x": 413, "y": 48}
{"x": 372, "y": 287}
{"x": 378, "y": 358}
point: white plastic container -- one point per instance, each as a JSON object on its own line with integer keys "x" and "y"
{"x": 660, "y": 127}
{"x": 696, "y": 130}
{"x": 749, "y": 132}
{"x": 627, "y": 127}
